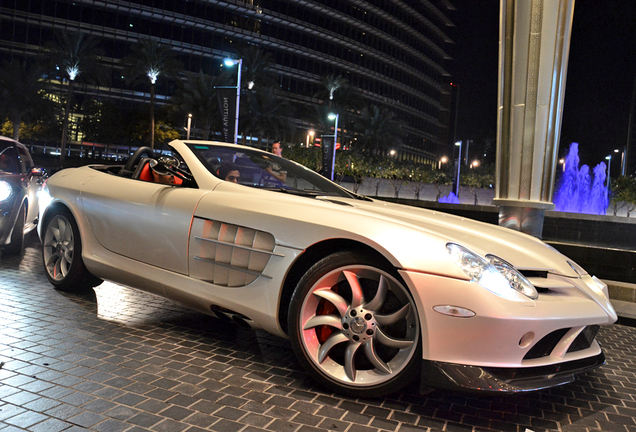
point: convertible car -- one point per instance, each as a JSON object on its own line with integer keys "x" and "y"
{"x": 370, "y": 294}
{"x": 20, "y": 183}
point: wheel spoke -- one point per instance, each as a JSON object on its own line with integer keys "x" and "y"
{"x": 377, "y": 301}
{"x": 357, "y": 296}
{"x": 337, "y": 300}
{"x": 382, "y": 338}
{"x": 394, "y": 317}
{"x": 369, "y": 350}
{"x": 350, "y": 355}
{"x": 333, "y": 340}
{"x": 318, "y": 320}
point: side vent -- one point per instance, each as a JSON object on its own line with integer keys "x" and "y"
{"x": 228, "y": 255}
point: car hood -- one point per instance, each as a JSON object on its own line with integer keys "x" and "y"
{"x": 519, "y": 249}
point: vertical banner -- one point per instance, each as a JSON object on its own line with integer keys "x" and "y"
{"x": 327, "y": 152}
{"x": 227, "y": 107}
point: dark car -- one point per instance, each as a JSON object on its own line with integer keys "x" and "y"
{"x": 20, "y": 182}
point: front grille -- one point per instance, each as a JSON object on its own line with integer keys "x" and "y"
{"x": 584, "y": 339}
{"x": 544, "y": 347}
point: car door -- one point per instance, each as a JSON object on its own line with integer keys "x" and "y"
{"x": 144, "y": 221}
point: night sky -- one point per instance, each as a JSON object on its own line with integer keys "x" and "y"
{"x": 600, "y": 81}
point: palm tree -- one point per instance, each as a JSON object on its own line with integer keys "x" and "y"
{"x": 151, "y": 60}
{"x": 256, "y": 68}
{"x": 76, "y": 56}
{"x": 21, "y": 92}
{"x": 266, "y": 114}
{"x": 378, "y": 130}
{"x": 331, "y": 83}
{"x": 197, "y": 96}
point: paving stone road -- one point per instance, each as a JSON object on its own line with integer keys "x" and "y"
{"x": 121, "y": 360}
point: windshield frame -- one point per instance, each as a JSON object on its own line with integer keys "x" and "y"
{"x": 299, "y": 179}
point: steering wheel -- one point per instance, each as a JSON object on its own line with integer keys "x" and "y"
{"x": 135, "y": 158}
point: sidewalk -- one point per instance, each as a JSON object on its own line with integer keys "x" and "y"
{"x": 623, "y": 298}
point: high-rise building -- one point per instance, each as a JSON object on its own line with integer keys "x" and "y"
{"x": 392, "y": 51}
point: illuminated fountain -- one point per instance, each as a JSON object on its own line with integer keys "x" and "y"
{"x": 577, "y": 190}
{"x": 451, "y": 198}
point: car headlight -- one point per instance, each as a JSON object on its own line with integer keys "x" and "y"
{"x": 5, "y": 190}
{"x": 517, "y": 281}
{"x": 494, "y": 274}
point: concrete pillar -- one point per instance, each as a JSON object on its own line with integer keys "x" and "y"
{"x": 534, "y": 42}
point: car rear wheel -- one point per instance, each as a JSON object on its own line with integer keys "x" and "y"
{"x": 62, "y": 254}
{"x": 354, "y": 326}
{"x": 16, "y": 245}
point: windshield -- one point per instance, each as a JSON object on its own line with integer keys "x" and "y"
{"x": 8, "y": 158}
{"x": 264, "y": 170}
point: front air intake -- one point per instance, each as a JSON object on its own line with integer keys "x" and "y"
{"x": 584, "y": 339}
{"x": 544, "y": 347}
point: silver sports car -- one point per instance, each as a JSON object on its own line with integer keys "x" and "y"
{"x": 370, "y": 294}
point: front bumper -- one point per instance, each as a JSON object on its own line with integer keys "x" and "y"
{"x": 506, "y": 380}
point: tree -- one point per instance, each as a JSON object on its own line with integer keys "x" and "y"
{"x": 197, "y": 96}
{"x": 624, "y": 194}
{"x": 477, "y": 178}
{"x": 76, "y": 57}
{"x": 256, "y": 68}
{"x": 378, "y": 131}
{"x": 21, "y": 93}
{"x": 265, "y": 114}
{"x": 151, "y": 60}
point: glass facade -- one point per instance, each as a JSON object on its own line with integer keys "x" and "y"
{"x": 392, "y": 51}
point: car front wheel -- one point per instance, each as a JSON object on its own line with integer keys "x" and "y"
{"x": 354, "y": 326}
{"x": 62, "y": 254}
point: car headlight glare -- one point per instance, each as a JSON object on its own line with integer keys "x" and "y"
{"x": 517, "y": 281}
{"x": 5, "y": 190}
{"x": 494, "y": 274}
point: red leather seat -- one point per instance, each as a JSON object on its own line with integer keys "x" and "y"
{"x": 146, "y": 175}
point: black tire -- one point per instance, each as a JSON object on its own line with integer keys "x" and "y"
{"x": 62, "y": 254}
{"x": 357, "y": 347}
{"x": 16, "y": 245}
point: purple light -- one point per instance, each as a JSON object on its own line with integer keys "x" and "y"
{"x": 578, "y": 191}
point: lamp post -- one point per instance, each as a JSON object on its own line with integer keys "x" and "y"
{"x": 335, "y": 140}
{"x": 239, "y": 62}
{"x": 444, "y": 159}
{"x": 562, "y": 162}
{"x": 609, "y": 164}
{"x": 459, "y": 164}
{"x": 189, "y": 124}
{"x": 310, "y": 134}
{"x": 622, "y": 161}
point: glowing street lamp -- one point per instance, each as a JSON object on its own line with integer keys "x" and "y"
{"x": 474, "y": 164}
{"x": 189, "y": 124}
{"x": 562, "y": 162}
{"x": 232, "y": 62}
{"x": 310, "y": 134}
{"x": 444, "y": 159}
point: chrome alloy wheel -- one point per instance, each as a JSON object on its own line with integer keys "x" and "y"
{"x": 355, "y": 341}
{"x": 58, "y": 248}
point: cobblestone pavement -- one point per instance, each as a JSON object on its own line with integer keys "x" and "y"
{"x": 120, "y": 360}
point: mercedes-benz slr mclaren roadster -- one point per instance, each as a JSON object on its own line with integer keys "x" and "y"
{"x": 370, "y": 294}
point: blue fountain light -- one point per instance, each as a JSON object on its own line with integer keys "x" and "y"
{"x": 451, "y": 198}
{"x": 578, "y": 191}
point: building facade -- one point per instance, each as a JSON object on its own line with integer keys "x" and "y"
{"x": 392, "y": 51}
